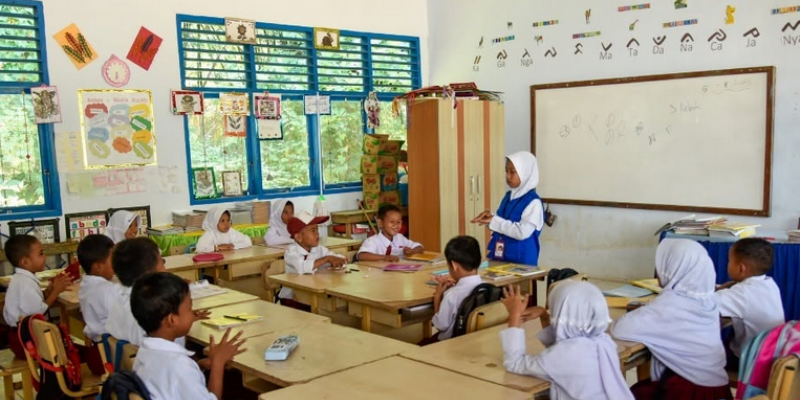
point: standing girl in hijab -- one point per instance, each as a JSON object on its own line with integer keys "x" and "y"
{"x": 219, "y": 235}
{"x": 520, "y": 217}
{"x": 681, "y": 328}
{"x": 123, "y": 225}
{"x": 581, "y": 360}
{"x": 277, "y": 234}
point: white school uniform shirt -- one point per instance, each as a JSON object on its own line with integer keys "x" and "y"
{"x": 379, "y": 243}
{"x": 121, "y": 323}
{"x": 213, "y": 237}
{"x": 169, "y": 373}
{"x": 300, "y": 261}
{"x": 754, "y": 305}
{"x": 445, "y": 319}
{"x": 96, "y": 295}
{"x": 24, "y": 297}
{"x": 533, "y": 215}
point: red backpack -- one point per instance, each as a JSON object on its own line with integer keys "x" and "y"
{"x": 71, "y": 367}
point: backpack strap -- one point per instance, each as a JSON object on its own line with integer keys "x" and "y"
{"x": 118, "y": 357}
{"x": 110, "y": 366}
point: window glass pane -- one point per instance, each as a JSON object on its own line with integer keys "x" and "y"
{"x": 284, "y": 163}
{"x": 210, "y": 147}
{"x": 19, "y": 39}
{"x": 394, "y": 126}
{"x": 342, "y": 142}
{"x": 20, "y": 154}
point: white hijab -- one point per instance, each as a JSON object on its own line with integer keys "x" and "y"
{"x": 681, "y": 326}
{"x": 275, "y": 220}
{"x": 119, "y": 223}
{"x": 528, "y": 171}
{"x": 583, "y": 363}
{"x": 210, "y": 224}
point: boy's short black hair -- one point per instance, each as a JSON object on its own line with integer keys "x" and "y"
{"x": 754, "y": 252}
{"x": 19, "y": 247}
{"x": 387, "y": 208}
{"x": 94, "y": 249}
{"x": 464, "y": 250}
{"x": 133, "y": 258}
{"x": 155, "y": 296}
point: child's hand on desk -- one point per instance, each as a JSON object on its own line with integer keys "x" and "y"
{"x": 391, "y": 258}
{"x": 224, "y": 247}
{"x": 226, "y": 349}
{"x": 413, "y": 251}
{"x": 336, "y": 262}
{"x": 515, "y": 303}
{"x": 202, "y": 314}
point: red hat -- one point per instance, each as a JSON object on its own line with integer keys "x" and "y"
{"x": 302, "y": 220}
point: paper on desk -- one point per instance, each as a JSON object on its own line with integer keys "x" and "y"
{"x": 628, "y": 291}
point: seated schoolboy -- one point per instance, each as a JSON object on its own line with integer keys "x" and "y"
{"x": 305, "y": 255}
{"x": 390, "y": 244}
{"x": 277, "y": 234}
{"x": 219, "y": 235}
{"x": 97, "y": 291}
{"x": 162, "y": 305}
{"x": 752, "y": 300}
{"x": 24, "y": 296}
{"x": 463, "y": 254}
{"x": 123, "y": 225}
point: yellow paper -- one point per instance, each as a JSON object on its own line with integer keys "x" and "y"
{"x": 75, "y": 46}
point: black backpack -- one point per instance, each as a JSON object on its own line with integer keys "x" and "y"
{"x": 123, "y": 384}
{"x": 555, "y": 275}
{"x": 484, "y": 293}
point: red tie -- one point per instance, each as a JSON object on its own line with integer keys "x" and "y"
{"x": 389, "y": 250}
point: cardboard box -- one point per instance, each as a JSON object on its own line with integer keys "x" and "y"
{"x": 371, "y": 183}
{"x": 391, "y": 147}
{"x": 391, "y": 197}
{"x": 388, "y": 182}
{"x": 371, "y": 200}
{"x": 372, "y": 143}
{"x": 369, "y": 164}
{"x": 385, "y": 165}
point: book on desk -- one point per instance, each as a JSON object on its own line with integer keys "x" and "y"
{"x": 231, "y": 320}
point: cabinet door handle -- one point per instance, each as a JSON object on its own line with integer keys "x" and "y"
{"x": 479, "y": 184}
{"x": 472, "y": 185}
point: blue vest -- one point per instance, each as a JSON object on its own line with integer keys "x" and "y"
{"x": 524, "y": 251}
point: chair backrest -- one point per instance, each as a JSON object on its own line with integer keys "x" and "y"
{"x": 784, "y": 382}
{"x": 484, "y": 293}
{"x": 50, "y": 349}
{"x": 487, "y": 316}
{"x": 122, "y": 361}
{"x": 276, "y": 267}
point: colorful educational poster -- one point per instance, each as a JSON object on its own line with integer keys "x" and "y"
{"x": 234, "y": 103}
{"x": 75, "y": 46}
{"x": 81, "y": 225}
{"x": 144, "y": 48}
{"x": 112, "y": 182}
{"x": 117, "y": 128}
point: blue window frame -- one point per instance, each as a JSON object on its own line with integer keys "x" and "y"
{"x": 29, "y": 185}
{"x": 284, "y": 61}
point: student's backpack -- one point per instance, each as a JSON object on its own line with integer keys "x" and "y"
{"x": 758, "y": 355}
{"x": 125, "y": 385}
{"x": 484, "y": 293}
{"x": 71, "y": 367}
{"x": 555, "y": 275}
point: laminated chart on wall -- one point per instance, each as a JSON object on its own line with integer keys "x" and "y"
{"x": 112, "y": 182}
{"x": 117, "y": 127}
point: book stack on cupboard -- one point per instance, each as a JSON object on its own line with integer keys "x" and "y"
{"x": 794, "y": 236}
{"x": 379, "y": 171}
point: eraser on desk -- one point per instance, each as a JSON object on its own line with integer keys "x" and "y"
{"x": 280, "y": 349}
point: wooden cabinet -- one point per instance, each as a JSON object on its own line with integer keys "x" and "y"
{"x": 456, "y": 161}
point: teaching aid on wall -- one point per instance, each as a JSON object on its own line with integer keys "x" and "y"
{"x": 699, "y": 141}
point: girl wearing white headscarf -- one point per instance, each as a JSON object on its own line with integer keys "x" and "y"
{"x": 219, "y": 235}
{"x": 123, "y": 225}
{"x": 681, "y": 328}
{"x": 277, "y": 234}
{"x": 520, "y": 217}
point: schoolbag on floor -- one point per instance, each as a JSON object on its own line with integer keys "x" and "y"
{"x": 123, "y": 384}
{"x": 758, "y": 355}
{"x": 484, "y": 293}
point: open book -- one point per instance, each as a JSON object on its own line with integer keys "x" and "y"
{"x": 202, "y": 288}
{"x": 649, "y": 284}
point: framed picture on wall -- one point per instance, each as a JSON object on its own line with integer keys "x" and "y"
{"x": 142, "y": 211}
{"x": 46, "y": 230}
{"x": 239, "y": 30}
{"x": 82, "y": 224}
{"x": 187, "y": 102}
{"x": 205, "y": 184}
{"x": 232, "y": 183}
{"x": 326, "y": 39}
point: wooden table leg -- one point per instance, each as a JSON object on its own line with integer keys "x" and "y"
{"x": 366, "y": 318}
{"x": 314, "y": 304}
{"x": 643, "y": 371}
{"x": 427, "y": 329}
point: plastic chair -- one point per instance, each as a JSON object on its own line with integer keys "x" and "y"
{"x": 487, "y": 316}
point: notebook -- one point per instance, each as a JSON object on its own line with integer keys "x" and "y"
{"x": 520, "y": 270}
{"x": 402, "y": 267}
{"x": 202, "y": 289}
{"x": 232, "y": 320}
{"x": 650, "y": 284}
{"x": 628, "y": 291}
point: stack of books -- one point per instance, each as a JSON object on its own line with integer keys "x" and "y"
{"x": 164, "y": 230}
{"x": 794, "y": 236}
{"x": 189, "y": 221}
{"x": 241, "y": 216}
{"x": 691, "y": 225}
{"x": 427, "y": 256}
{"x": 261, "y": 211}
{"x": 507, "y": 271}
{"x": 732, "y": 229}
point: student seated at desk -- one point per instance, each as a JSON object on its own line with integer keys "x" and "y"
{"x": 123, "y": 225}
{"x": 219, "y": 235}
{"x": 24, "y": 296}
{"x": 389, "y": 244}
{"x": 277, "y": 234}
{"x": 97, "y": 292}
{"x": 581, "y": 360}
{"x": 752, "y": 300}
{"x": 680, "y": 327}
{"x": 463, "y": 255}
{"x": 306, "y": 255}
{"x": 162, "y": 305}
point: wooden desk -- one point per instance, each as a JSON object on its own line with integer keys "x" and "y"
{"x": 332, "y": 243}
{"x": 324, "y": 349}
{"x": 381, "y": 264}
{"x": 52, "y": 249}
{"x": 225, "y": 299}
{"x": 44, "y": 277}
{"x": 276, "y": 318}
{"x": 396, "y": 378}
{"x": 183, "y": 263}
{"x": 311, "y": 289}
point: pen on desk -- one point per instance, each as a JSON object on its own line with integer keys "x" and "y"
{"x": 235, "y": 317}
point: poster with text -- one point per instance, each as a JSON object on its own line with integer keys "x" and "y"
{"x": 117, "y": 128}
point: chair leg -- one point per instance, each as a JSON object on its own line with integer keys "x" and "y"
{"x": 27, "y": 385}
{"x": 8, "y": 387}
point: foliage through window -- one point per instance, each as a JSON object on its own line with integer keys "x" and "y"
{"x": 284, "y": 61}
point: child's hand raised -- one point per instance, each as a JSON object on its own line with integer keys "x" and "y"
{"x": 202, "y": 314}
{"x": 227, "y": 348}
{"x": 515, "y": 304}
{"x": 60, "y": 283}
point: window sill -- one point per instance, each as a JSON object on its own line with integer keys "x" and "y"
{"x": 220, "y": 200}
{"x": 338, "y": 189}
{"x": 29, "y": 214}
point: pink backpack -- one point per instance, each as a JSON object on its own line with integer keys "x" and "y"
{"x": 760, "y": 353}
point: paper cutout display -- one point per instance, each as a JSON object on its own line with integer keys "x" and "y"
{"x": 269, "y": 129}
{"x": 588, "y": 15}
{"x": 231, "y": 183}
{"x": 117, "y": 127}
{"x": 46, "y": 104}
{"x": 116, "y": 72}
{"x": 315, "y": 104}
{"x": 205, "y": 184}
{"x": 187, "y": 102}
{"x": 144, "y": 48}
{"x": 267, "y": 106}
{"x": 234, "y": 103}
{"x": 235, "y": 126}
{"x": 75, "y": 46}
{"x": 240, "y": 30}
{"x": 729, "y": 17}
{"x": 372, "y": 107}
{"x": 680, "y": 4}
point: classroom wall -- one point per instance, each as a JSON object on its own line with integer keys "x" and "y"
{"x": 110, "y": 26}
{"x": 610, "y": 241}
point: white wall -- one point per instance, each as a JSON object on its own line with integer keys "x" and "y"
{"x": 110, "y": 26}
{"x": 609, "y": 241}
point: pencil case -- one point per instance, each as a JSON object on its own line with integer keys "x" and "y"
{"x": 280, "y": 349}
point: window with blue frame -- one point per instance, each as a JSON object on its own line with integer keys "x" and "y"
{"x": 28, "y": 179}
{"x": 284, "y": 61}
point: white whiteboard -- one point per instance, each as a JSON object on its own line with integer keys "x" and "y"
{"x": 694, "y": 142}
